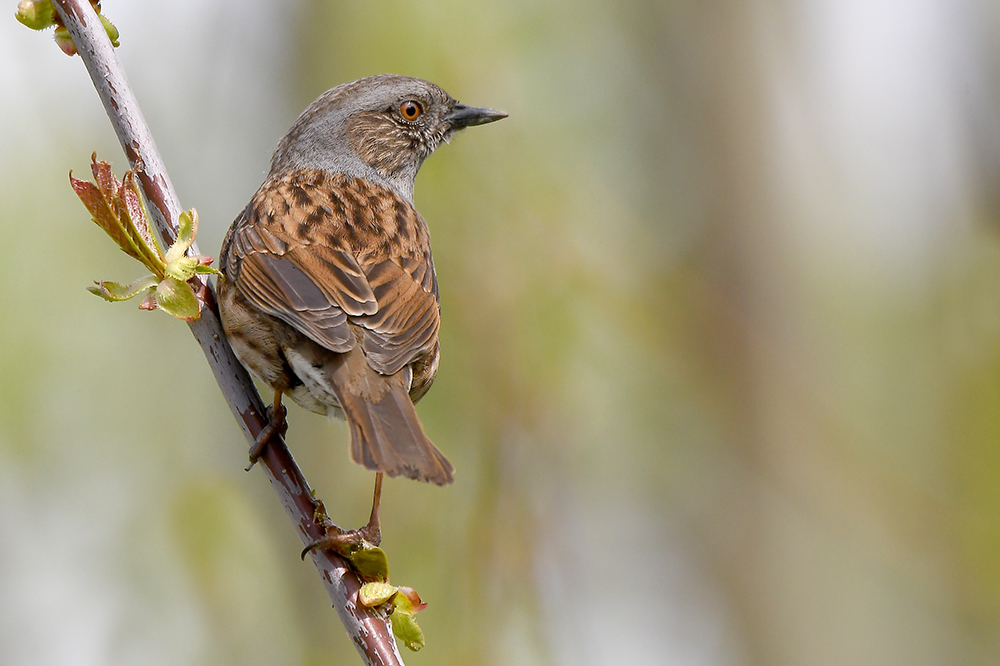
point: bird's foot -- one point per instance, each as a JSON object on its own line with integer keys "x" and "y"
{"x": 346, "y": 542}
{"x": 276, "y": 426}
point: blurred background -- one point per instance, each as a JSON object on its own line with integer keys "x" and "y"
{"x": 721, "y": 340}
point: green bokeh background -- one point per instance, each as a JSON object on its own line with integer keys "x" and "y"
{"x": 721, "y": 340}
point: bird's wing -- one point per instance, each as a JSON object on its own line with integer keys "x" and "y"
{"x": 408, "y": 316}
{"x": 331, "y": 257}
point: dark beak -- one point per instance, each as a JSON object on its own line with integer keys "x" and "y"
{"x": 466, "y": 116}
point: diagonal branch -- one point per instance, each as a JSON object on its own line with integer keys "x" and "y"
{"x": 368, "y": 630}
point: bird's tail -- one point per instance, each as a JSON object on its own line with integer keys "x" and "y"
{"x": 386, "y": 435}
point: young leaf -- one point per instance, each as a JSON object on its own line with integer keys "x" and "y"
{"x": 64, "y": 41}
{"x": 406, "y": 629}
{"x": 178, "y": 264}
{"x": 105, "y": 178}
{"x": 36, "y": 14}
{"x": 373, "y": 594}
{"x": 112, "y": 291}
{"x": 110, "y": 28}
{"x": 409, "y": 600}
{"x": 95, "y": 202}
{"x": 119, "y": 209}
{"x": 138, "y": 213}
{"x": 110, "y": 212}
{"x": 41, "y": 14}
{"x": 177, "y": 298}
{"x": 187, "y": 229}
{"x": 370, "y": 562}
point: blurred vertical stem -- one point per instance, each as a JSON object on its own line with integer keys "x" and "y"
{"x": 368, "y": 631}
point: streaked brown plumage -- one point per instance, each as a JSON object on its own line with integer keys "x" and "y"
{"x": 329, "y": 292}
{"x": 335, "y": 273}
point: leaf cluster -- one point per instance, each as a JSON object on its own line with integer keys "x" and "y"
{"x": 118, "y": 208}
{"x": 41, "y": 14}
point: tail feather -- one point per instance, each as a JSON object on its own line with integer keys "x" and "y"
{"x": 386, "y": 435}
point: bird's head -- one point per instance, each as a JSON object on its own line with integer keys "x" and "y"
{"x": 381, "y": 128}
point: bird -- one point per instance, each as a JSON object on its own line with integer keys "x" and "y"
{"x": 328, "y": 293}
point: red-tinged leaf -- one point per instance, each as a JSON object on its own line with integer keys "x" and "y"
{"x": 149, "y": 303}
{"x": 106, "y": 180}
{"x": 132, "y": 201}
{"x": 130, "y": 197}
{"x": 64, "y": 41}
{"x": 406, "y": 604}
{"x": 118, "y": 209}
{"x": 91, "y": 197}
{"x": 412, "y": 603}
{"x": 96, "y": 202}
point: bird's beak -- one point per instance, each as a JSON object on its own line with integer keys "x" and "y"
{"x": 466, "y": 116}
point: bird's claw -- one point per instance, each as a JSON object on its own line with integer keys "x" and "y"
{"x": 276, "y": 425}
{"x": 345, "y": 542}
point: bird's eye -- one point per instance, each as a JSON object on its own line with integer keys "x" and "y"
{"x": 410, "y": 109}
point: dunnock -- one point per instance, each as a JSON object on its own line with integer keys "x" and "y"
{"x": 329, "y": 293}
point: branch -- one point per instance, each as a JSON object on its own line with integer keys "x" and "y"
{"x": 368, "y": 630}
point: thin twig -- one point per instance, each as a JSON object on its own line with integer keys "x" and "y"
{"x": 370, "y": 633}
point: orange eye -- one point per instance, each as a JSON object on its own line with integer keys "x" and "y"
{"x": 410, "y": 110}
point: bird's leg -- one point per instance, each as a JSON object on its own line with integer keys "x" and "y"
{"x": 276, "y": 425}
{"x": 371, "y": 533}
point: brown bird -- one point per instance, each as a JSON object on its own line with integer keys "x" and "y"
{"x": 329, "y": 293}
